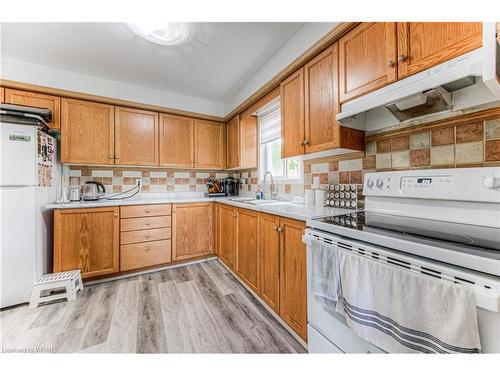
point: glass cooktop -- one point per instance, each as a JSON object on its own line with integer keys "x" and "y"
{"x": 454, "y": 236}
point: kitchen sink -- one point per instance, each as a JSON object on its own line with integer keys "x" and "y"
{"x": 255, "y": 202}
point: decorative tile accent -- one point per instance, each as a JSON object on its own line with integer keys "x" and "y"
{"x": 492, "y": 150}
{"x": 469, "y": 153}
{"x": 445, "y": 136}
{"x": 401, "y": 159}
{"x": 332, "y": 166}
{"x": 469, "y": 133}
{"x": 383, "y": 161}
{"x": 492, "y": 129}
{"x": 400, "y": 143}
{"x": 344, "y": 177}
{"x": 307, "y": 168}
{"x": 370, "y": 148}
{"x": 320, "y": 168}
{"x": 136, "y": 174}
{"x": 420, "y": 140}
{"x": 356, "y": 177}
{"x": 369, "y": 162}
{"x": 443, "y": 155}
{"x": 420, "y": 158}
{"x": 383, "y": 146}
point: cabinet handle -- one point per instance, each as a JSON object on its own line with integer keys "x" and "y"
{"x": 147, "y": 235}
{"x": 147, "y": 222}
{"x": 148, "y": 210}
{"x": 147, "y": 248}
{"x": 390, "y": 64}
{"x": 401, "y": 58}
{"x": 280, "y": 230}
{"x": 306, "y": 142}
{"x": 302, "y": 143}
{"x": 115, "y": 215}
{"x": 275, "y": 227}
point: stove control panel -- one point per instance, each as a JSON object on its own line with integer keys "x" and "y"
{"x": 462, "y": 184}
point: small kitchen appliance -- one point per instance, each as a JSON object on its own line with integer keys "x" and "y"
{"x": 93, "y": 191}
{"x": 231, "y": 186}
{"x": 74, "y": 189}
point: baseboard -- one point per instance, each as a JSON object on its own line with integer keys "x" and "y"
{"x": 270, "y": 310}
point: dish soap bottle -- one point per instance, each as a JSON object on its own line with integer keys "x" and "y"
{"x": 258, "y": 193}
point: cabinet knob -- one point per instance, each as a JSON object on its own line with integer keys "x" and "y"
{"x": 147, "y": 235}
{"x": 390, "y": 64}
{"x": 280, "y": 230}
{"x": 115, "y": 215}
{"x": 147, "y": 222}
{"x": 148, "y": 210}
{"x": 401, "y": 58}
{"x": 306, "y": 142}
{"x": 147, "y": 248}
{"x": 302, "y": 143}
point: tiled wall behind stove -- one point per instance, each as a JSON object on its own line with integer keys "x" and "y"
{"x": 154, "y": 180}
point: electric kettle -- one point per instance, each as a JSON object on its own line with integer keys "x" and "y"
{"x": 93, "y": 190}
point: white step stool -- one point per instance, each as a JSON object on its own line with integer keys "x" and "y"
{"x": 70, "y": 280}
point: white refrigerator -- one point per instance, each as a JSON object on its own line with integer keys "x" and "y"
{"x": 29, "y": 179}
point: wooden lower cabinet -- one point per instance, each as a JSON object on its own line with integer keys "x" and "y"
{"x": 293, "y": 279}
{"x": 269, "y": 261}
{"x": 193, "y": 234}
{"x": 87, "y": 239}
{"x": 226, "y": 236}
{"x": 145, "y": 254}
{"x": 247, "y": 253}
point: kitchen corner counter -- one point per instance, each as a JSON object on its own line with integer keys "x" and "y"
{"x": 285, "y": 209}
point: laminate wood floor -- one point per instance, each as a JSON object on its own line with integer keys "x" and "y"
{"x": 198, "y": 308}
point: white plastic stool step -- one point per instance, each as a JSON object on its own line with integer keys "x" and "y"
{"x": 71, "y": 281}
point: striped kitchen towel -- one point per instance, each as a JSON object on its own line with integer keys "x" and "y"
{"x": 405, "y": 312}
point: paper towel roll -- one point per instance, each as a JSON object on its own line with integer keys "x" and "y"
{"x": 319, "y": 198}
{"x": 309, "y": 197}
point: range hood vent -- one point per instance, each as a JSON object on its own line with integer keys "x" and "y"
{"x": 427, "y": 103}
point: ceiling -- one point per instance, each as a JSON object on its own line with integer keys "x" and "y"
{"x": 213, "y": 65}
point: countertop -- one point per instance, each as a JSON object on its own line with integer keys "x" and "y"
{"x": 285, "y": 209}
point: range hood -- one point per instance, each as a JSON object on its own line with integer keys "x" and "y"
{"x": 467, "y": 82}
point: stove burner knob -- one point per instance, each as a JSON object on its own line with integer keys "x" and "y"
{"x": 379, "y": 182}
{"x": 369, "y": 182}
{"x": 491, "y": 182}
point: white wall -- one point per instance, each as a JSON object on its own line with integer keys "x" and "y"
{"x": 62, "y": 79}
{"x": 302, "y": 40}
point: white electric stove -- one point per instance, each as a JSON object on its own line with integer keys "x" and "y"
{"x": 441, "y": 222}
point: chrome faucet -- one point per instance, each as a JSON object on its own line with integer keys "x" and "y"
{"x": 272, "y": 188}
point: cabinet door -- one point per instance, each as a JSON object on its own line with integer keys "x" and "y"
{"x": 247, "y": 254}
{"x": 248, "y": 142}
{"x": 87, "y": 132}
{"x": 176, "y": 141}
{"x": 292, "y": 115}
{"x": 33, "y": 99}
{"x": 293, "y": 289}
{"x": 367, "y": 59}
{"x": 233, "y": 143}
{"x": 87, "y": 239}
{"x": 2, "y": 95}
{"x": 321, "y": 101}
{"x": 192, "y": 230}
{"x": 136, "y": 137}
{"x": 227, "y": 239}
{"x": 208, "y": 144}
{"x": 422, "y": 45}
{"x": 269, "y": 260}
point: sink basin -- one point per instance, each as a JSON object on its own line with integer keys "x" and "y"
{"x": 255, "y": 202}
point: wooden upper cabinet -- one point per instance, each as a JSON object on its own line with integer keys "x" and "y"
{"x": 176, "y": 141}
{"x": 292, "y": 115}
{"x": 226, "y": 236}
{"x": 192, "y": 233}
{"x": 87, "y": 132}
{"x": 422, "y": 45}
{"x": 87, "y": 239}
{"x": 33, "y": 99}
{"x": 367, "y": 59}
{"x": 248, "y": 142}
{"x": 269, "y": 260}
{"x": 233, "y": 142}
{"x": 208, "y": 144}
{"x": 293, "y": 280}
{"x": 321, "y": 101}
{"x": 248, "y": 247}
{"x": 2, "y": 95}
{"x": 136, "y": 137}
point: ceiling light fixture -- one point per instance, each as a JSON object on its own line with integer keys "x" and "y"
{"x": 165, "y": 33}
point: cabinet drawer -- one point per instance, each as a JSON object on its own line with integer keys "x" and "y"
{"x": 145, "y": 223}
{"x": 145, "y": 254}
{"x": 145, "y": 210}
{"x": 136, "y": 236}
